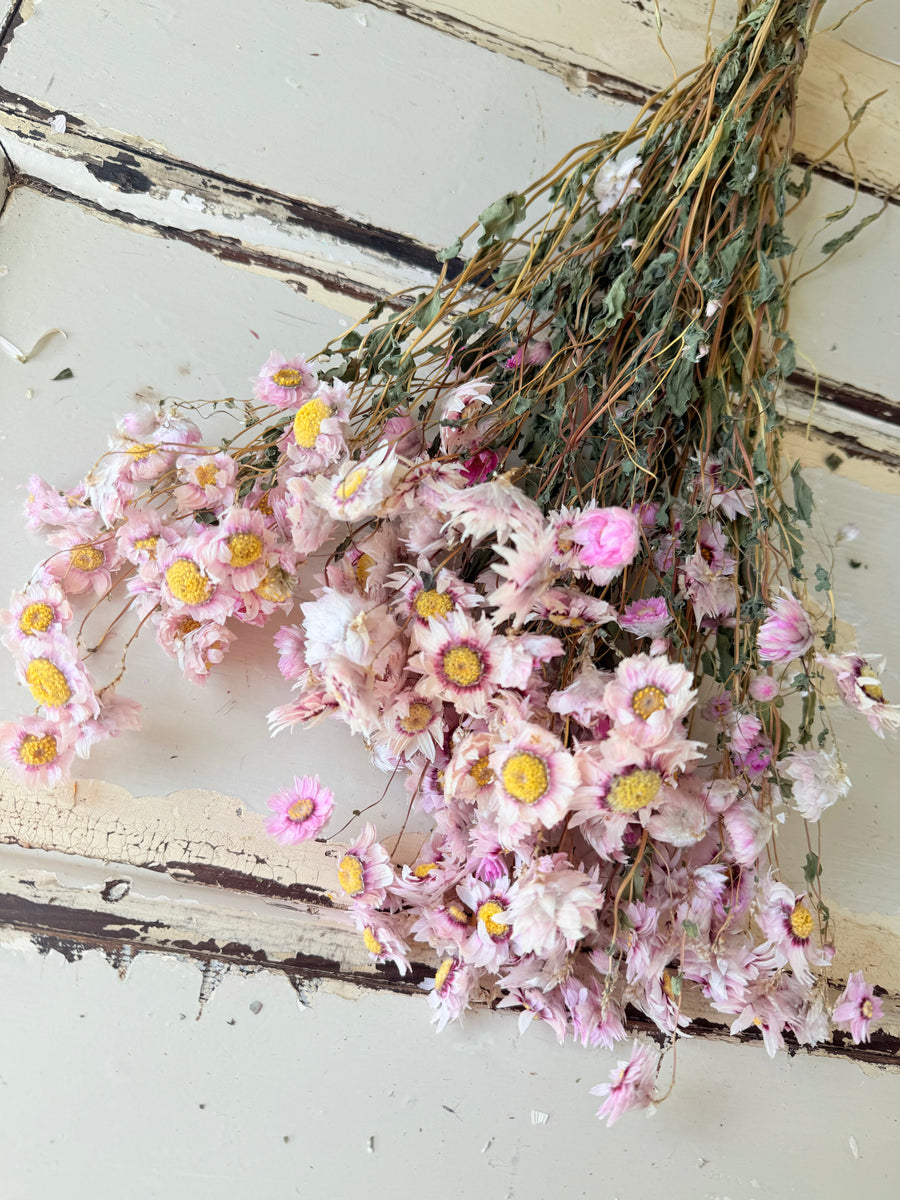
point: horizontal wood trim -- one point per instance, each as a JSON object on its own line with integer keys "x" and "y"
{"x": 610, "y": 48}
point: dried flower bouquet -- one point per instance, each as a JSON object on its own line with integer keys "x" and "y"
{"x": 561, "y": 585}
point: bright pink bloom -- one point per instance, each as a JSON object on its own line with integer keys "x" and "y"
{"x": 856, "y": 1008}
{"x": 787, "y": 631}
{"x": 763, "y": 688}
{"x": 365, "y": 871}
{"x": 610, "y": 539}
{"x": 479, "y": 466}
{"x": 300, "y": 811}
{"x": 632, "y": 1084}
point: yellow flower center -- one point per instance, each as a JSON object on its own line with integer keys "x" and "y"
{"x": 141, "y": 450}
{"x": 351, "y": 483}
{"x": 372, "y": 943}
{"x": 442, "y": 972}
{"x": 86, "y": 558}
{"x": 417, "y": 719}
{"x": 38, "y": 751}
{"x": 301, "y": 809}
{"x": 481, "y": 772}
{"x": 525, "y": 777}
{"x": 148, "y": 543}
{"x": 351, "y": 875}
{"x": 801, "y": 922}
{"x": 276, "y": 586}
{"x": 36, "y": 618}
{"x": 308, "y": 422}
{"x": 246, "y": 549}
{"x": 48, "y": 684}
{"x": 288, "y": 377}
{"x": 871, "y": 685}
{"x": 487, "y": 912}
{"x": 264, "y": 505}
{"x": 423, "y": 870}
{"x": 458, "y": 913}
{"x": 648, "y": 700}
{"x": 632, "y": 791}
{"x": 188, "y": 583}
{"x": 866, "y": 1009}
{"x": 667, "y": 985}
{"x": 462, "y": 665}
{"x": 364, "y": 565}
{"x": 205, "y": 474}
{"x": 433, "y": 604}
{"x": 185, "y": 626}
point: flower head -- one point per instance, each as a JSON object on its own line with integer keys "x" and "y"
{"x": 819, "y": 780}
{"x": 39, "y": 751}
{"x": 787, "y": 631}
{"x": 631, "y": 1084}
{"x": 365, "y": 871}
{"x": 857, "y": 1007}
{"x": 300, "y": 811}
{"x": 284, "y": 382}
{"x": 609, "y": 540}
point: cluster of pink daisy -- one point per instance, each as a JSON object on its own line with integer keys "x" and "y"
{"x": 530, "y": 674}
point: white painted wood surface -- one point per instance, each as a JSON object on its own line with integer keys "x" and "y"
{"x": 388, "y": 121}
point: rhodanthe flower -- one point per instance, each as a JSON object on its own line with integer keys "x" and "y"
{"x": 631, "y": 1084}
{"x": 300, "y": 811}
{"x": 787, "y": 631}
{"x": 857, "y": 1007}
{"x": 819, "y": 780}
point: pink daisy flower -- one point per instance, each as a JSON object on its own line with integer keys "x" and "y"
{"x": 763, "y": 688}
{"x": 647, "y": 617}
{"x": 572, "y": 609}
{"x": 648, "y": 697}
{"x": 57, "y": 678}
{"x": 200, "y": 649}
{"x": 284, "y": 382}
{"x": 41, "y": 610}
{"x": 787, "y": 631}
{"x": 357, "y": 490}
{"x": 414, "y": 725}
{"x": 315, "y": 438}
{"x": 138, "y": 537}
{"x": 83, "y": 566}
{"x": 300, "y": 811}
{"x": 857, "y": 1007}
{"x": 488, "y": 944}
{"x": 631, "y": 1084}
{"x": 497, "y": 509}
{"x": 789, "y": 926}
{"x": 365, "y": 871}
{"x": 240, "y": 551}
{"x": 457, "y": 662}
{"x": 207, "y": 481}
{"x": 184, "y": 583}
{"x": 536, "y": 779}
{"x": 555, "y": 906}
{"x": 46, "y": 506}
{"x": 40, "y": 752}
{"x": 450, "y": 990}
{"x": 382, "y": 937}
{"x": 117, "y": 714}
{"x": 860, "y": 687}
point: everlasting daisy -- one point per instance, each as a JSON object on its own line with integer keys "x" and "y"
{"x": 240, "y": 551}
{"x": 58, "y": 681}
{"x": 117, "y": 714}
{"x": 284, "y": 382}
{"x": 39, "y": 751}
{"x": 857, "y": 1007}
{"x": 41, "y": 610}
{"x": 382, "y": 937}
{"x": 631, "y": 1084}
{"x": 787, "y": 631}
{"x": 648, "y": 617}
{"x": 488, "y": 945}
{"x": 555, "y": 906}
{"x": 535, "y": 783}
{"x": 457, "y": 662}
{"x": 789, "y": 924}
{"x": 365, "y": 871}
{"x": 184, "y": 582}
{"x": 300, "y": 811}
{"x": 414, "y": 725}
{"x": 357, "y": 490}
{"x": 648, "y": 697}
{"x": 46, "y": 506}
{"x": 207, "y": 481}
{"x": 497, "y": 509}
{"x": 139, "y": 536}
{"x": 528, "y": 575}
{"x": 860, "y": 687}
{"x": 450, "y": 990}
{"x": 83, "y": 566}
{"x": 819, "y": 780}
{"x": 315, "y": 438}
{"x": 572, "y": 609}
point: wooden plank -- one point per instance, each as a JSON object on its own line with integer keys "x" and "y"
{"x": 611, "y": 48}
